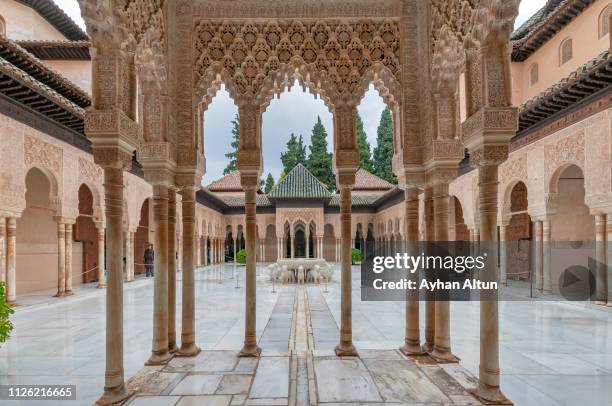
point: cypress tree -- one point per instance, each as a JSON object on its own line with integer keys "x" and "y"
{"x": 383, "y": 153}
{"x": 365, "y": 152}
{"x": 295, "y": 153}
{"x": 269, "y": 183}
{"x": 235, "y": 144}
{"x": 319, "y": 161}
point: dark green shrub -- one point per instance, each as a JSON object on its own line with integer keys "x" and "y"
{"x": 241, "y": 256}
{"x": 5, "y": 311}
{"x": 356, "y": 255}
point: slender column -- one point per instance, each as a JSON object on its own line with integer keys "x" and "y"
{"x": 172, "y": 270}
{"x": 250, "y": 348}
{"x": 315, "y": 248}
{"x": 292, "y": 240}
{"x": 11, "y": 259}
{"x": 61, "y": 259}
{"x": 101, "y": 269}
{"x": 68, "y": 255}
{"x": 132, "y": 251}
{"x": 442, "y": 340}
{"x": 430, "y": 304}
{"x": 601, "y": 278}
{"x": 609, "y": 247}
{"x": 188, "y": 346}
{"x": 412, "y": 341}
{"x": 538, "y": 260}
{"x": 503, "y": 254}
{"x": 160, "y": 353}
{"x": 488, "y": 387}
{"x": 546, "y": 278}
{"x": 114, "y": 387}
{"x": 345, "y": 347}
{"x": 234, "y": 249}
{"x": 3, "y": 250}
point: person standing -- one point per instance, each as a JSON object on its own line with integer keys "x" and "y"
{"x": 149, "y": 257}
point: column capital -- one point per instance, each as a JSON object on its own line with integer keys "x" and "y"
{"x": 249, "y": 180}
{"x": 489, "y": 125}
{"x": 489, "y": 155}
{"x": 441, "y": 174}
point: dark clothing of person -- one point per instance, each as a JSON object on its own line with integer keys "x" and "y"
{"x": 149, "y": 258}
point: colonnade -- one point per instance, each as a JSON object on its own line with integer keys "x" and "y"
{"x": 8, "y": 256}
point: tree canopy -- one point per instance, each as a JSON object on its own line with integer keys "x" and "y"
{"x": 235, "y": 144}
{"x": 365, "y": 151}
{"x": 269, "y": 183}
{"x": 383, "y": 153}
{"x": 319, "y": 161}
{"x": 295, "y": 153}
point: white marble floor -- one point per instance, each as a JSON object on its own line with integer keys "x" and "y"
{"x": 552, "y": 353}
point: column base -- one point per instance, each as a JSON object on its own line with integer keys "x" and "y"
{"x": 68, "y": 293}
{"x": 114, "y": 396}
{"x": 346, "y": 349}
{"x": 188, "y": 350}
{"x": 490, "y": 395}
{"x": 412, "y": 349}
{"x": 60, "y": 294}
{"x": 250, "y": 350}
{"x": 101, "y": 285}
{"x": 428, "y": 347}
{"x": 159, "y": 358}
{"x": 172, "y": 348}
{"x": 443, "y": 356}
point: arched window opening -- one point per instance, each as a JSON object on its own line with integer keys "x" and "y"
{"x": 604, "y": 21}
{"x": 533, "y": 74}
{"x": 565, "y": 51}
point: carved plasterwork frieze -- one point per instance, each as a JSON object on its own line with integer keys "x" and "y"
{"x": 515, "y": 169}
{"x": 569, "y": 150}
{"x": 340, "y": 52}
{"x": 489, "y": 155}
{"x": 42, "y": 154}
{"x": 489, "y": 121}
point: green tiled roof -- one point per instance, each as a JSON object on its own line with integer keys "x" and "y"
{"x": 299, "y": 183}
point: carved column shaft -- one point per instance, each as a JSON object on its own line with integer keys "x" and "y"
{"x": 546, "y": 277}
{"x": 68, "y": 254}
{"x": 503, "y": 253}
{"x": 249, "y": 183}
{"x": 160, "y": 353}
{"x": 11, "y": 259}
{"x": 601, "y": 277}
{"x": 101, "y": 268}
{"x": 412, "y": 341}
{"x": 61, "y": 259}
{"x": 188, "y": 346}
{"x": 442, "y": 341}
{"x": 172, "y": 270}
{"x": 539, "y": 253}
{"x": 430, "y": 304}
{"x": 3, "y": 250}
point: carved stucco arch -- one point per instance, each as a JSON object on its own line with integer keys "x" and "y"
{"x": 505, "y": 207}
{"x": 54, "y": 191}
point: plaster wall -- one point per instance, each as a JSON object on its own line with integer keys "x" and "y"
{"x": 24, "y": 23}
{"x": 78, "y": 72}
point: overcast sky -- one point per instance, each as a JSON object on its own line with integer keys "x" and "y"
{"x": 295, "y": 112}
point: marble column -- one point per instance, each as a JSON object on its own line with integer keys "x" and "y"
{"x": 101, "y": 268}
{"x": 61, "y": 259}
{"x": 159, "y": 353}
{"x": 129, "y": 254}
{"x": 11, "y": 259}
{"x": 114, "y": 387}
{"x": 489, "y": 374}
{"x": 345, "y": 347}
{"x": 250, "y": 185}
{"x": 68, "y": 258}
{"x": 412, "y": 340}
{"x": 503, "y": 253}
{"x": 609, "y": 248}
{"x": 188, "y": 345}
{"x": 132, "y": 252}
{"x": 308, "y": 245}
{"x": 172, "y": 347}
{"x": 3, "y": 251}
{"x": 546, "y": 277}
{"x": 235, "y": 242}
{"x": 442, "y": 340}
{"x": 601, "y": 276}
{"x": 430, "y": 304}
{"x": 538, "y": 260}
{"x": 292, "y": 240}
